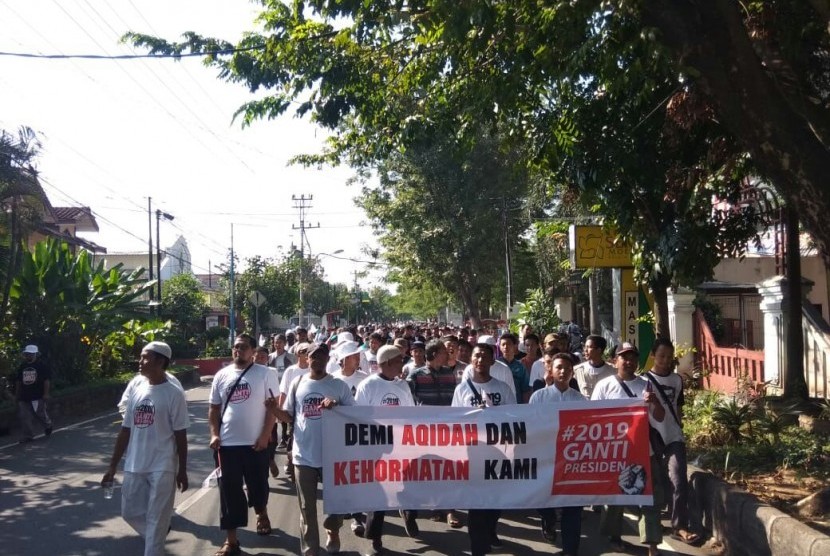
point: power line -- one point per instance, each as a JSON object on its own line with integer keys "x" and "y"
{"x": 141, "y": 86}
{"x": 218, "y": 51}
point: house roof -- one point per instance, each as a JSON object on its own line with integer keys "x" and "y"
{"x": 81, "y": 217}
{"x": 209, "y": 281}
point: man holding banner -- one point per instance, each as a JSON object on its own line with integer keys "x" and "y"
{"x": 482, "y": 391}
{"x": 626, "y": 384}
{"x": 386, "y": 389}
{"x": 307, "y": 396}
{"x": 558, "y": 373}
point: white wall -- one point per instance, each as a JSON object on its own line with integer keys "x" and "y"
{"x": 754, "y": 269}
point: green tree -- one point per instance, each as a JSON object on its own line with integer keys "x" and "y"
{"x": 419, "y": 302}
{"x": 183, "y": 303}
{"x": 274, "y": 279}
{"x": 654, "y": 179}
{"x": 67, "y": 305}
{"x": 22, "y": 201}
{"x": 442, "y": 213}
{"x": 382, "y": 72}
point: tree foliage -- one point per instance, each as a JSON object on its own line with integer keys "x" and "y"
{"x": 21, "y": 201}
{"x": 67, "y": 305}
{"x": 442, "y": 213}
{"x": 183, "y": 303}
{"x": 384, "y": 72}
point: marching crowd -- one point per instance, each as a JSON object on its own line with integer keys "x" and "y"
{"x": 266, "y": 400}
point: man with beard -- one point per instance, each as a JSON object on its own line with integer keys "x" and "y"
{"x": 240, "y": 428}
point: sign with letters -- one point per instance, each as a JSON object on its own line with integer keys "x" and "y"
{"x": 516, "y": 456}
{"x": 597, "y": 247}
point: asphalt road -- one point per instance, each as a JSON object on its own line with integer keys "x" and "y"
{"x": 52, "y": 505}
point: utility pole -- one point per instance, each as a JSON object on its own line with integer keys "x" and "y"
{"x": 232, "y": 319}
{"x": 159, "y": 215}
{"x": 150, "y": 245}
{"x": 302, "y": 203}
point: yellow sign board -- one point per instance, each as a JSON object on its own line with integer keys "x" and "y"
{"x": 596, "y": 247}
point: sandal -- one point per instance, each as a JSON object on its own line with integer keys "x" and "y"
{"x": 263, "y": 525}
{"x": 229, "y": 549}
{"x": 685, "y": 536}
{"x": 453, "y": 521}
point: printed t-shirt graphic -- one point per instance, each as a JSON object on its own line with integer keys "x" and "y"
{"x": 144, "y": 414}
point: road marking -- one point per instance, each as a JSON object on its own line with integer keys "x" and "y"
{"x": 82, "y": 423}
{"x": 66, "y": 428}
{"x": 186, "y": 505}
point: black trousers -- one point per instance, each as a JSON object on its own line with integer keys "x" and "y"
{"x": 238, "y": 464}
{"x": 481, "y": 526}
{"x": 571, "y": 526}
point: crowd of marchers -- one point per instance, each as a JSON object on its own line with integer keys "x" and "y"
{"x": 269, "y": 400}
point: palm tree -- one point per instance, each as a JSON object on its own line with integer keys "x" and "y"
{"x": 21, "y": 202}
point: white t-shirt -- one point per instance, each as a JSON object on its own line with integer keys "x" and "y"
{"x": 153, "y": 413}
{"x": 587, "y": 376}
{"x": 308, "y": 423}
{"x": 552, "y": 394}
{"x": 609, "y": 388}
{"x": 377, "y": 390}
{"x": 290, "y": 374}
{"x": 352, "y": 380}
{"x": 138, "y": 379}
{"x": 672, "y": 385}
{"x": 498, "y": 371}
{"x": 243, "y": 420}
{"x": 371, "y": 361}
{"x": 411, "y": 366}
{"x": 537, "y": 372}
{"x": 493, "y": 393}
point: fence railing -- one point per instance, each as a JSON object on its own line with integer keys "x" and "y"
{"x": 816, "y": 352}
{"x": 725, "y": 365}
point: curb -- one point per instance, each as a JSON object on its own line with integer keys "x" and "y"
{"x": 745, "y": 525}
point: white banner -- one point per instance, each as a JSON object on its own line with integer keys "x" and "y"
{"x": 516, "y": 456}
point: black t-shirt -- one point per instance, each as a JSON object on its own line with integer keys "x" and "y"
{"x": 31, "y": 377}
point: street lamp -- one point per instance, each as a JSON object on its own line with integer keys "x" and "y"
{"x": 167, "y": 216}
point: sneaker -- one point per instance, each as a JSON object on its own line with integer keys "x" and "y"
{"x": 377, "y": 548}
{"x": 274, "y": 468}
{"x": 333, "y": 542}
{"x": 47, "y": 431}
{"x": 410, "y": 524}
{"x": 358, "y": 528}
{"x": 495, "y": 541}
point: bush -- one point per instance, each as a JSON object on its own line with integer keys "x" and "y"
{"x": 216, "y": 342}
{"x": 750, "y": 437}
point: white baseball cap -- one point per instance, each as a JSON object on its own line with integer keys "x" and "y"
{"x": 31, "y": 348}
